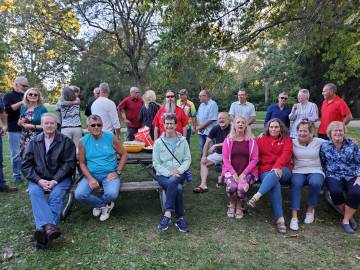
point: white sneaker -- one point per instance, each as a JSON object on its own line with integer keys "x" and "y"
{"x": 294, "y": 224}
{"x": 96, "y": 212}
{"x": 309, "y": 218}
{"x": 105, "y": 211}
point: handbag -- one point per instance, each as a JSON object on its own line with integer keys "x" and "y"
{"x": 188, "y": 172}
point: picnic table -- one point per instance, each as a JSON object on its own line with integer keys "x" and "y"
{"x": 144, "y": 160}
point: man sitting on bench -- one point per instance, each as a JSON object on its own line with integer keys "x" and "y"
{"x": 98, "y": 163}
{"x": 49, "y": 163}
{"x": 212, "y": 154}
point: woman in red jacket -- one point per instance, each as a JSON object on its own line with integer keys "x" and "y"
{"x": 275, "y": 153}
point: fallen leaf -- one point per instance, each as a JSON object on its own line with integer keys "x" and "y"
{"x": 253, "y": 242}
{"x": 7, "y": 254}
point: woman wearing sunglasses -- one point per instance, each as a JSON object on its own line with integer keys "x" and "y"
{"x": 302, "y": 110}
{"x": 30, "y": 117}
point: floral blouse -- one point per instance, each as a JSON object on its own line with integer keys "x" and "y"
{"x": 343, "y": 163}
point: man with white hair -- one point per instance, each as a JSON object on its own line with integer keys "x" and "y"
{"x": 106, "y": 109}
{"x": 12, "y": 103}
{"x": 49, "y": 163}
{"x": 131, "y": 105}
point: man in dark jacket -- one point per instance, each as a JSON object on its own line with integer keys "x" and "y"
{"x": 49, "y": 163}
{"x": 12, "y": 103}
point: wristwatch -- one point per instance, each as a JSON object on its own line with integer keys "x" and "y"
{"x": 118, "y": 172}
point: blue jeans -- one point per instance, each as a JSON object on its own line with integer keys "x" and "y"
{"x": 173, "y": 186}
{"x": 111, "y": 191}
{"x": 14, "y": 146}
{"x": 271, "y": 183}
{"x": 48, "y": 211}
{"x": 337, "y": 187}
{"x": 298, "y": 180}
{"x": 2, "y": 179}
{"x": 202, "y": 140}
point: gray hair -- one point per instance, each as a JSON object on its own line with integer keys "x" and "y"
{"x": 104, "y": 87}
{"x": 149, "y": 96}
{"x": 52, "y": 115}
{"x": 305, "y": 92}
{"x": 283, "y": 94}
{"x": 332, "y": 86}
{"x": 20, "y": 79}
{"x": 75, "y": 88}
{"x": 134, "y": 88}
{"x": 93, "y": 117}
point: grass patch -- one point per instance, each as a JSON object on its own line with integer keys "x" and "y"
{"x": 130, "y": 240}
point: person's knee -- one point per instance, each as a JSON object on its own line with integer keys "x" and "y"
{"x": 112, "y": 194}
{"x": 180, "y": 188}
{"x": 80, "y": 195}
{"x": 35, "y": 191}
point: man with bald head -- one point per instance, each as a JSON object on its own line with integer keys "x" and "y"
{"x": 96, "y": 93}
{"x": 212, "y": 152}
{"x": 333, "y": 108}
{"x": 131, "y": 105}
{"x": 206, "y": 117}
{"x": 12, "y": 102}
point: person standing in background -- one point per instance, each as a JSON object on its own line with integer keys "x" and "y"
{"x": 190, "y": 111}
{"x": 12, "y": 102}
{"x": 279, "y": 110}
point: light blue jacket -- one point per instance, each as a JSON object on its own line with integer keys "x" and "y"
{"x": 164, "y": 162}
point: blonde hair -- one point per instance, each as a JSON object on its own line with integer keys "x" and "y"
{"x": 149, "y": 96}
{"x": 333, "y": 125}
{"x": 247, "y": 132}
{"x": 25, "y": 99}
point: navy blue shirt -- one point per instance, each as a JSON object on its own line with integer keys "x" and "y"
{"x": 273, "y": 111}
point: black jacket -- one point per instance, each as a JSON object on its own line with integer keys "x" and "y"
{"x": 13, "y": 116}
{"x": 59, "y": 162}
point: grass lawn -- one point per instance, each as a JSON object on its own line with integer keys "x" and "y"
{"x": 130, "y": 240}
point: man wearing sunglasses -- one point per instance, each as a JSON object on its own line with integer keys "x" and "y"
{"x": 12, "y": 102}
{"x": 170, "y": 107}
{"x": 279, "y": 110}
{"x": 98, "y": 152}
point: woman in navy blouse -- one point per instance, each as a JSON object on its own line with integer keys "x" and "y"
{"x": 340, "y": 158}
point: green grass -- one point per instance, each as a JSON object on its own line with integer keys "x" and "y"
{"x": 130, "y": 240}
{"x": 260, "y": 116}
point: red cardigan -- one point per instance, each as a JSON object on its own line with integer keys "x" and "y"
{"x": 274, "y": 153}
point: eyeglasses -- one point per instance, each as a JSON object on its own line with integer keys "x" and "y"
{"x": 24, "y": 85}
{"x": 96, "y": 125}
{"x": 284, "y": 98}
{"x": 33, "y": 95}
{"x": 170, "y": 96}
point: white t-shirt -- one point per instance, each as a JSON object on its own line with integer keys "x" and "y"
{"x": 246, "y": 109}
{"x": 106, "y": 109}
{"x": 306, "y": 158}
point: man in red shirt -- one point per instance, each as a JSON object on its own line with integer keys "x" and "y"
{"x": 170, "y": 107}
{"x": 131, "y": 105}
{"x": 333, "y": 108}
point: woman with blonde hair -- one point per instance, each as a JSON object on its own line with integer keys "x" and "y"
{"x": 240, "y": 156}
{"x": 340, "y": 159}
{"x": 30, "y": 116}
{"x": 149, "y": 110}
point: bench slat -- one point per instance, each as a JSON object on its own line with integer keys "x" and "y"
{"x": 139, "y": 186}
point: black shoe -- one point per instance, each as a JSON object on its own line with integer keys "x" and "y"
{"x": 52, "y": 231}
{"x": 8, "y": 189}
{"x": 40, "y": 238}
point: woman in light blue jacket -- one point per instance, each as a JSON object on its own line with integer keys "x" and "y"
{"x": 171, "y": 160}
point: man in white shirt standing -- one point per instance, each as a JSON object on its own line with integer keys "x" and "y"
{"x": 106, "y": 109}
{"x": 243, "y": 108}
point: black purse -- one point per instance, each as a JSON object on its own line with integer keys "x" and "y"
{"x": 188, "y": 172}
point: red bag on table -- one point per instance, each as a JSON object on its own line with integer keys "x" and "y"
{"x": 143, "y": 135}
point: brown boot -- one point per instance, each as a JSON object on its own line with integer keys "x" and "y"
{"x": 52, "y": 231}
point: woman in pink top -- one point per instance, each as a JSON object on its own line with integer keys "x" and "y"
{"x": 240, "y": 156}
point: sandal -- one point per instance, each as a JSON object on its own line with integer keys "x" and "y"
{"x": 280, "y": 226}
{"x": 231, "y": 212}
{"x": 200, "y": 190}
{"x": 252, "y": 202}
{"x": 220, "y": 183}
{"x": 239, "y": 213}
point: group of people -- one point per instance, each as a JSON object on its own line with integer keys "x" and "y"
{"x": 48, "y": 158}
